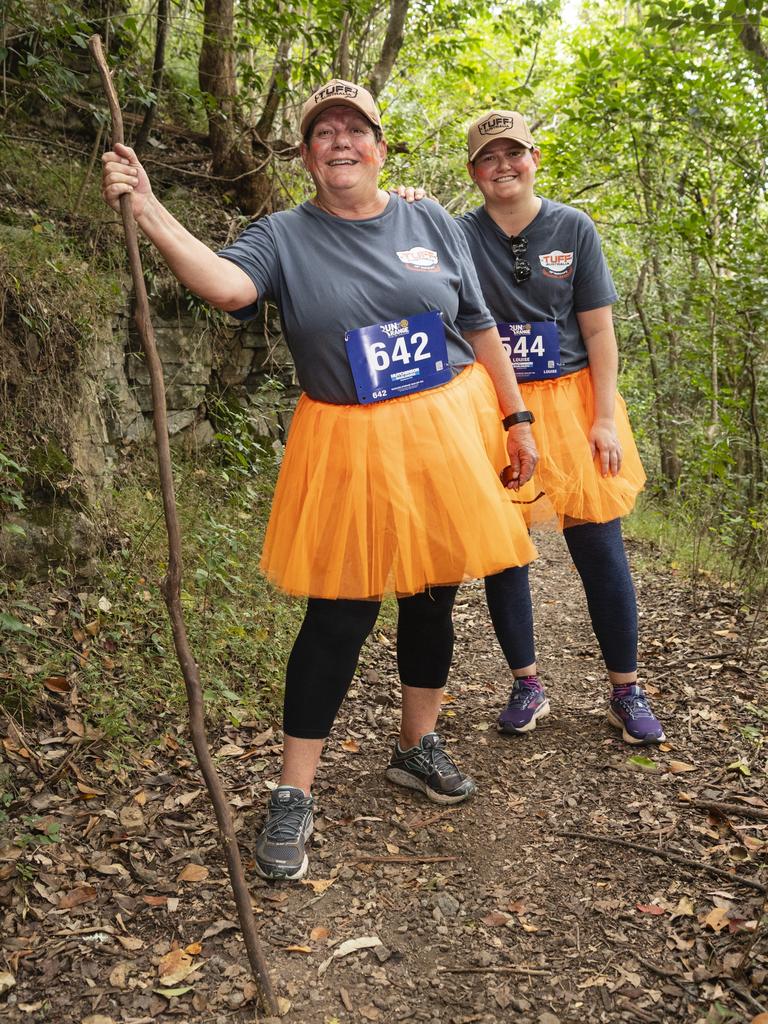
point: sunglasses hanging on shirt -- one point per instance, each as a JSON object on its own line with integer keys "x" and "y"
{"x": 521, "y": 268}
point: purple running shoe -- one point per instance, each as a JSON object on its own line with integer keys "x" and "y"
{"x": 630, "y": 711}
{"x": 527, "y": 703}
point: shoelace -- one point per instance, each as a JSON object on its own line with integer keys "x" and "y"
{"x": 285, "y": 823}
{"x": 521, "y": 696}
{"x": 439, "y": 759}
{"x": 636, "y": 705}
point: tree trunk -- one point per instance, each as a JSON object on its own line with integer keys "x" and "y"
{"x": 158, "y": 66}
{"x": 393, "y": 41}
{"x": 231, "y": 151}
{"x": 669, "y": 461}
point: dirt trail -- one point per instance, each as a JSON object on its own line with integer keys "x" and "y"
{"x": 483, "y": 912}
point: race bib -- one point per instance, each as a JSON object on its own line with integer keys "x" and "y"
{"x": 396, "y": 358}
{"x": 533, "y": 348}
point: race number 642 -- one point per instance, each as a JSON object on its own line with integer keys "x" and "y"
{"x": 405, "y": 349}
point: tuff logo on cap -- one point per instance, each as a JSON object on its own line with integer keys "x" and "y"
{"x": 348, "y": 91}
{"x": 495, "y": 124}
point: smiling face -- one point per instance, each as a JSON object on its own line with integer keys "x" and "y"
{"x": 505, "y": 171}
{"x": 342, "y": 152}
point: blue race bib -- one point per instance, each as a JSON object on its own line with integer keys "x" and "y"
{"x": 397, "y": 358}
{"x": 533, "y": 348}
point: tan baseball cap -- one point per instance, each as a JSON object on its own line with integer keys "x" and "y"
{"x": 498, "y": 124}
{"x": 339, "y": 93}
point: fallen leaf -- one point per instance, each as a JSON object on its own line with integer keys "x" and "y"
{"x": 185, "y": 799}
{"x": 761, "y": 1018}
{"x": 678, "y": 767}
{"x": 169, "y": 993}
{"x": 130, "y": 942}
{"x": 319, "y": 885}
{"x": 298, "y": 949}
{"x": 174, "y": 967}
{"x": 7, "y": 981}
{"x": 684, "y": 908}
{"x": 283, "y": 1005}
{"x": 73, "y": 898}
{"x": 57, "y": 684}
{"x": 716, "y": 919}
{"x": 222, "y": 925}
{"x": 155, "y": 901}
{"x": 644, "y": 763}
{"x": 193, "y": 873}
{"x": 98, "y": 1018}
{"x": 194, "y": 948}
{"x": 369, "y": 1012}
{"x": 495, "y": 919}
{"x": 350, "y": 946}
{"x": 117, "y": 976}
{"x": 650, "y": 908}
{"x": 350, "y": 745}
{"x": 75, "y": 726}
{"x": 319, "y": 933}
{"x": 391, "y": 848}
{"x": 87, "y": 790}
{"x": 131, "y": 817}
{"x": 229, "y": 750}
{"x": 104, "y": 605}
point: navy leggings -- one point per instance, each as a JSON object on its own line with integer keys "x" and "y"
{"x": 324, "y": 656}
{"x": 597, "y": 550}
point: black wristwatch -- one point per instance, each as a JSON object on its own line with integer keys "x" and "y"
{"x": 524, "y": 416}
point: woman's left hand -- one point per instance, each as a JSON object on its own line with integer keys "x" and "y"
{"x": 523, "y": 455}
{"x": 603, "y": 442}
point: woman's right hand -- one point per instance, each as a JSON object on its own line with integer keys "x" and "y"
{"x": 122, "y": 173}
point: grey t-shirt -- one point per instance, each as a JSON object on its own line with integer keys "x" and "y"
{"x": 569, "y": 272}
{"x": 329, "y": 275}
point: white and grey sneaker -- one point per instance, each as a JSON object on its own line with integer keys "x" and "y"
{"x": 431, "y": 770}
{"x": 280, "y": 849}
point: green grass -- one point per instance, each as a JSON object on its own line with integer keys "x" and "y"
{"x": 693, "y": 537}
{"x": 110, "y": 638}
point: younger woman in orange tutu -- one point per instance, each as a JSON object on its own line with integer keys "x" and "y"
{"x": 390, "y": 480}
{"x": 544, "y": 278}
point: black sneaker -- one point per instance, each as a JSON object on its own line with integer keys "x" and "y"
{"x": 431, "y": 770}
{"x": 280, "y": 846}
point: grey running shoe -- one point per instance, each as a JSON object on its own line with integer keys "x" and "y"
{"x": 630, "y": 711}
{"x": 280, "y": 847}
{"x": 431, "y": 770}
{"x": 527, "y": 703}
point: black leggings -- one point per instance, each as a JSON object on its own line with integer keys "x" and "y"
{"x": 324, "y": 656}
{"x": 597, "y": 550}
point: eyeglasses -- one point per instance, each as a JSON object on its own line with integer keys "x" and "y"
{"x": 521, "y": 269}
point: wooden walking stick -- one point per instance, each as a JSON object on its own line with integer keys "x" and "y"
{"x": 171, "y": 585}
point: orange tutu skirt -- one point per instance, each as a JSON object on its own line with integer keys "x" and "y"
{"x": 396, "y": 496}
{"x": 569, "y": 476}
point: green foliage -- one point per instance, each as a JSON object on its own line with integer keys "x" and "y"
{"x": 239, "y": 628}
{"x": 11, "y": 485}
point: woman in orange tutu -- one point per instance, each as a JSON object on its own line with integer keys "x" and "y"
{"x": 545, "y": 280}
{"x": 390, "y": 479}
